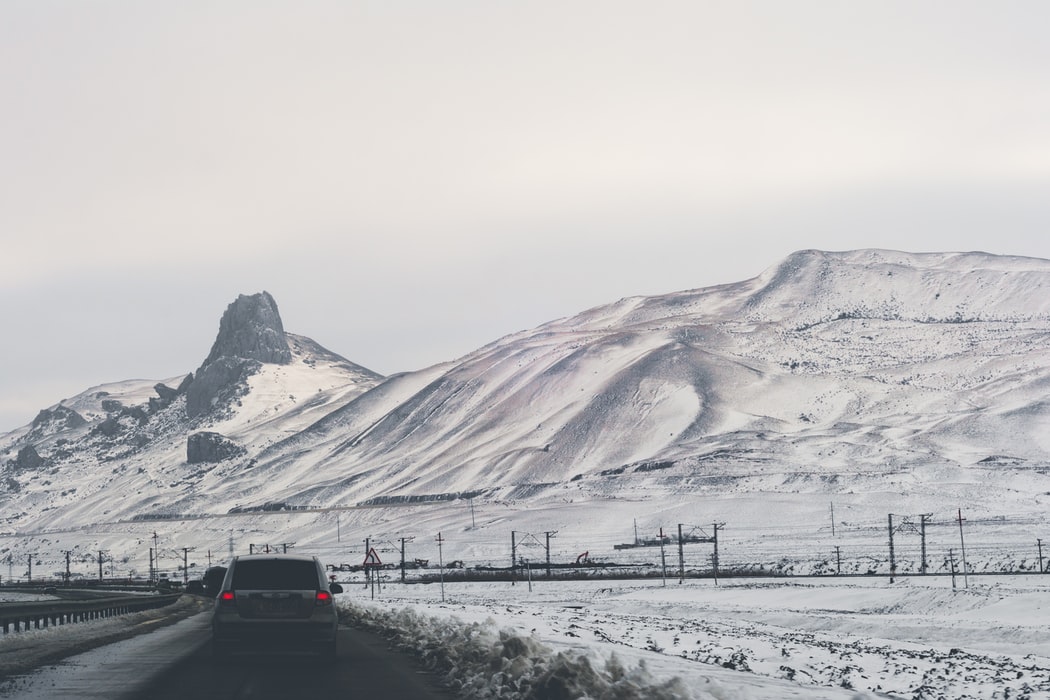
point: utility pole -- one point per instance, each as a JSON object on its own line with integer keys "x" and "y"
{"x": 681, "y": 557}
{"x": 922, "y": 535}
{"x": 714, "y": 556}
{"x": 663, "y": 559}
{"x": 833, "y": 519}
{"x": 962, "y": 547}
{"x": 368, "y": 569}
{"x": 441, "y": 565}
{"x": 185, "y": 566}
{"x": 549, "y": 536}
{"x": 838, "y": 560}
{"x": 100, "y": 556}
{"x": 403, "y": 540}
{"x": 893, "y": 561}
{"x": 156, "y": 552}
{"x": 68, "y": 553}
{"x": 209, "y": 558}
{"x": 951, "y": 559}
{"x": 338, "y": 533}
{"x": 29, "y": 571}
{"x": 1039, "y": 543}
{"x": 152, "y": 570}
{"x": 513, "y": 558}
{"x": 473, "y": 524}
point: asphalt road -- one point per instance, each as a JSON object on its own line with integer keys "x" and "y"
{"x": 365, "y": 667}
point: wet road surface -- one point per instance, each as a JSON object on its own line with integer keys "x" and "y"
{"x": 364, "y": 667}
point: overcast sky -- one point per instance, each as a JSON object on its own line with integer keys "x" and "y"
{"x": 411, "y": 180}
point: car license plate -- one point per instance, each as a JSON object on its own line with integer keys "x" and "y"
{"x": 275, "y": 606}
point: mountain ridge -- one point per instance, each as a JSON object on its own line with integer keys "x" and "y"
{"x": 827, "y": 368}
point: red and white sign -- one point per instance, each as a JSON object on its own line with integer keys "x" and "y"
{"x": 372, "y": 559}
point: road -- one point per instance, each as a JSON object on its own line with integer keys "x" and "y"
{"x": 365, "y": 667}
{"x": 176, "y": 662}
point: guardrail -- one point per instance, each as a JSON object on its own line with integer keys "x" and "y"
{"x": 20, "y": 617}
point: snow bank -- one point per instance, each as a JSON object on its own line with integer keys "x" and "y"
{"x": 822, "y": 639}
{"x": 481, "y": 661}
{"x": 15, "y": 597}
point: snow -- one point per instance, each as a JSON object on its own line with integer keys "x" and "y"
{"x": 16, "y": 597}
{"x": 829, "y": 364}
{"x": 741, "y": 640}
{"x": 871, "y": 381}
{"x": 288, "y": 398}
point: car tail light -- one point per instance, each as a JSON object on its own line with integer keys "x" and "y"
{"x": 323, "y": 598}
{"x": 227, "y": 598}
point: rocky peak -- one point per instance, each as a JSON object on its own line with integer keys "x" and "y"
{"x": 250, "y": 333}
{"x": 251, "y": 329}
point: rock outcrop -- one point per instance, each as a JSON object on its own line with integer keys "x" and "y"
{"x": 124, "y": 420}
{"x": 65, "y": 417}
{"x": 163, "y": 399}
{"x": 54, "y": 420}
{"x": 210, "y": 448}
{"x": 218, "y": 384}
{"x": 250, "y": 333}
{"x": 251, "y": 329}
{"x": 28, "y": 458}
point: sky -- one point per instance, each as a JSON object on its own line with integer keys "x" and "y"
{"x": 411, "y": 180}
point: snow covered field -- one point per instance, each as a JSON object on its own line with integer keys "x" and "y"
{"x": 744, "y": 639}
{"x": 741, "y": 640}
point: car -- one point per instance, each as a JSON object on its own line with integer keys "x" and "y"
{"x": 275, "y": 603}
{"x": 213, "y": 579}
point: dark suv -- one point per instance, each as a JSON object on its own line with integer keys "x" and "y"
{"x": 275, "y": 602}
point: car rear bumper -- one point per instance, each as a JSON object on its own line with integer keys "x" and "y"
{"x": 253, "y": 634}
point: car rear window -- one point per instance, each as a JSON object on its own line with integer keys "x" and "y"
{"x": 275, "y": 575}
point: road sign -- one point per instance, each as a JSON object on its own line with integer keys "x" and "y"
{"x": 372, "y": 559}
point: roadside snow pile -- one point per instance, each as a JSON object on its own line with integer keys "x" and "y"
{"x": 15, "y": 597}
{"x": 481, "y": 661}
{"x": 816, "y": 639}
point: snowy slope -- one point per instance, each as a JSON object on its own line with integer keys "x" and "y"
{"x": 869, "y": 360}
{"x": 885, "y": 381}
{"x": 139, "y": 467}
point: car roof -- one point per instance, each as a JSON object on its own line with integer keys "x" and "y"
{"x": 275, "y": 556}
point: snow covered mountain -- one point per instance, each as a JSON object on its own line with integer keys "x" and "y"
{"x": 120, "y": 450}
{"x": 833, "y": 363}
{"x": 892, "y": 377}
